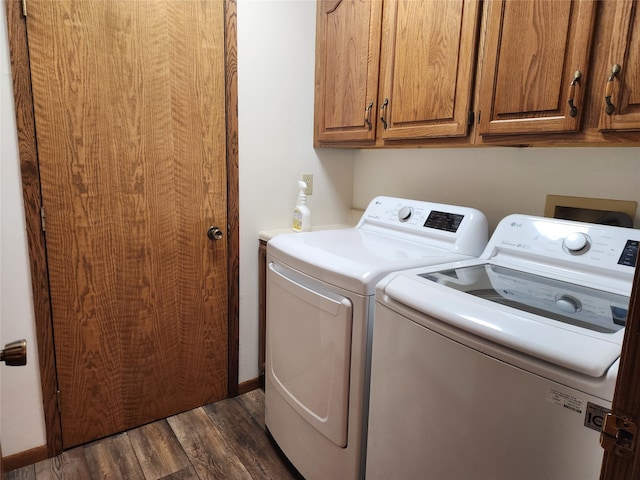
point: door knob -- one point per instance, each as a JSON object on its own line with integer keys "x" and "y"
{"x": 214, "y": 233}
{"x": 14, "y": 353}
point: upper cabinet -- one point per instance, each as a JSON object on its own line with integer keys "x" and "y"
{"x": 347, "y": 58}
{"x": 421, "y": 54}
{"x": 535, "y": 63}
{"x": 427, "y": 67}
{"x": 620, "y": 107}
{"x": 465, "y": 72}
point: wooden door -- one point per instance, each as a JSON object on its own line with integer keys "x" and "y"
{"x": 626, "y": 399}
{"x": 620, "y": 107}
{"x": 347, "y": 59}
{"x": 427, "y": 65}
{"x": 129, "y": 100}
{"x": 532, "y": 52}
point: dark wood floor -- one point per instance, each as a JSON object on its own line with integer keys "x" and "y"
{"x": 223, "y": 440}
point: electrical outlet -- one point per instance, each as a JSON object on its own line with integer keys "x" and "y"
{"x": 308, "y": 179}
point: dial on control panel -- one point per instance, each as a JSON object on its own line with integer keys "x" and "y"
{"x": 568, "y": 304}
{"x": 404, "y": 214}
{"x": 576, "y": 243}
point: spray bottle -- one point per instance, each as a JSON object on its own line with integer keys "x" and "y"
{"x": 301, "y": 213}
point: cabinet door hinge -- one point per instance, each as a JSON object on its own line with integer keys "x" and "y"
{"x": 470, "y": 119}
{"x": 24, "y": 8}
{"x": 618, "y": 435}
{"x": 42, "y": 218}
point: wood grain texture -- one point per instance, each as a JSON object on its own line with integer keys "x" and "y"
{"x": 427, "y": 67}
{"x": 245, "y": 437}
{"x": 31, "y": 192}
{"x": 71, "y": 465}
{"x": 188, "y": 473}
{"x": 158, "y": 450}
{"x": 27, "y": 457}
{"x": 25, "y": 473}
{"x": 533, "y": 49}
{"x": 25, "y": 123}
{"x": 604, "y": 34}
{"x": 211, "y": 449}
{"x": 207, "y": 449}
{"x": 133, "y": 170}
{"x": 626, "y": 398}
{"x": 262, "y": 309}
{"x": 253, "y": 402}
{"x": 624, "y": 89}
{"x": 347, "y": 62}
{"x": 113, "y": 459}
{"x": 233, "y": 193}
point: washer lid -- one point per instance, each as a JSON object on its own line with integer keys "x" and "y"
{"x": 354, "y": 259}
{"x": 529, "y": 323}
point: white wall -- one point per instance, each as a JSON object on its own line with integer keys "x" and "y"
{"x": 276, "y": 45}
{"x": 21, "y": 417}
{"x": 498, "y": 181}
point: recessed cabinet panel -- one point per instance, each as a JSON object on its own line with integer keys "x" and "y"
{"x": 347, "y": 64}
{"x": 428, "y": 58}
{"x": 535, "y": 66}
{"x": 620, "y": 107}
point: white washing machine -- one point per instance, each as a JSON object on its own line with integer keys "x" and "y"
{"x": 320, "y": 297}
{"x": 501, "y": 367}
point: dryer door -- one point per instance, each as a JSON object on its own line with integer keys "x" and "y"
{"x": 309, "y": 349}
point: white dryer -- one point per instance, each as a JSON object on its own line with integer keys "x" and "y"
{"x": 502, "y": 367}
{"x": 320, "y": 297}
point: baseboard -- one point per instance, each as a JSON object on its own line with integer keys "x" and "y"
{"x": 249, "y": 385}
{"x": 22, "y": 459}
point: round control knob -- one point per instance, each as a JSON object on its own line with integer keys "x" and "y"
{"x": 405, "y": 214}
{"x": 568, "y": 304}
{"x": 576, "y": 242}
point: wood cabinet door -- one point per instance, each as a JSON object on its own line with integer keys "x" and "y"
{"x": 532, "y": 50}
{"x": 427, "y": 64}
{"x": 347, "y": 62}
{"x": 620, "y": 107}
{"x": 129, "y": 99}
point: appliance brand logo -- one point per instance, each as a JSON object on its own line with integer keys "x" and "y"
{"x": 594, "y": 416}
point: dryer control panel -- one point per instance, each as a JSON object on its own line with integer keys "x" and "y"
{"x": 460, "y": 229}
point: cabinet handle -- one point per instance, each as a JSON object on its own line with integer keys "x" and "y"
{"x": 573, "y": 110}
{"x": 383, "y": 112}
{"x": 615, "y": 70}
{"x": 367, "y": 116}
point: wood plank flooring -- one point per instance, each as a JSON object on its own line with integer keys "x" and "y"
{"x": 223, "y": 440}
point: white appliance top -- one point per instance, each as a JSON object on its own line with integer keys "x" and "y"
{"x": 393, "y": 234}
{"x": 555, "y": 290}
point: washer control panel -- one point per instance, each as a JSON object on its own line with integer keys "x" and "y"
{"x": 566, "y": 240}
{"x": 629, "y": 256}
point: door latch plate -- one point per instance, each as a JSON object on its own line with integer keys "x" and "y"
{"x": 619, "y": 435}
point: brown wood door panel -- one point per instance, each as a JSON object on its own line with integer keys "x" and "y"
{"x": 624, "y": 88}
{"x": 533, "y": 49}
{"x": 427, "y": 67}
{"x": 129, "y": 99}
{"x": 626, "y": 398}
